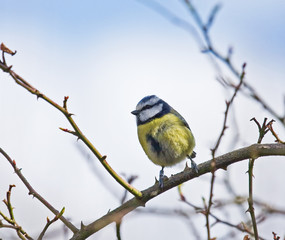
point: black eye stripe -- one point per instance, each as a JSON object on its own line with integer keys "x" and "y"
{"x": 147, "y": 107}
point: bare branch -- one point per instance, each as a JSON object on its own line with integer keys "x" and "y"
{"x": 269, "y": 126}
{"x": 262, "y": 131}
{"x": 250, "y": 197}
{"x": 222, "y": 162}
{"x": 11, "y": 220}
{"x": 208, "y": 47}
{"x": 174, "y": 19}
{"x": 49, "y": 222}
{"x": 33, "y": 192}
{"x": 241, "y": 227}
{"x": 19, "y": 80}
{"x": 228, "y": 104}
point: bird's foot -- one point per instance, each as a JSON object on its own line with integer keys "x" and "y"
{"x": 194, "y": 166}
{"x": 161, "y": 177}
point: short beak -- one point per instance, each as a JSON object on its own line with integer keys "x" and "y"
{"x": 135, "y": 112}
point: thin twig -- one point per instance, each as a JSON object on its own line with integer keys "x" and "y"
{"x": 49, "y": 222}
{"x": 63, "y": 109}
{"x": 8, "y": 202}
{"x": 11, "y": 220}
{"x": 228, "y": 104}
{"x": 250, "y": 197}
{"x": 207, "y": 44}
{"x": 240, "y": 227}
{"x": 227, "y": 59}
{"x": 130, "y": 179}
{"x": 262, "y": 131}
{"x": 174, "y": 19}
{"x": 33, "y": 192}
{"x": 269, "y": 126}
{"x": 224, "y": 127}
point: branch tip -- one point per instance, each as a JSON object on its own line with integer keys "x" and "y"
{"x": 65, "y": 102}
{"x": 275, "y": 237}
{"x": 265, "y": 128}
{"x": 7, "y": 50}
{"x": 60, "y": 214}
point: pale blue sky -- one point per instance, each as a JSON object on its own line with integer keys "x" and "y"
{"x": 107, "y": 55}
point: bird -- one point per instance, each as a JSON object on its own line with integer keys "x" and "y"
{"x": 164, "y": 134}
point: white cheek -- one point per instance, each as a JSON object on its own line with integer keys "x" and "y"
{"x": 149, "y": 113}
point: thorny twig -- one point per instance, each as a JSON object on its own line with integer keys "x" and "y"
{"x": 11, "y": 220}
{"x": 130, "y": 180}
{"x": 33, "y": 192}
{"x": 77, "y": 132}
{"x": 275, "y": 237}
{"x": 250, "y": 197}
{"x": 49, "y": 222}
{"x": 207, "y": 46}
{"x": 228, "y": 104}
{"x": 269, "y": 126}
{"x": 241, "y": 227}
{"x": 262, "y": 131}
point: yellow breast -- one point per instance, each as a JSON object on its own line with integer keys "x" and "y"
{"x": 166, "y": 140}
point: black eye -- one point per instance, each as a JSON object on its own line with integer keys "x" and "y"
{"x": 147, "y": 107}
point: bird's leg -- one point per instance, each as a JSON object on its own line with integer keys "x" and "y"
{"x": 161, "y": 176}
{"x": 193, "y": 164}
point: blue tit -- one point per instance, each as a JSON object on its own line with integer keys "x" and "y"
{"x": 164, "y": 134}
